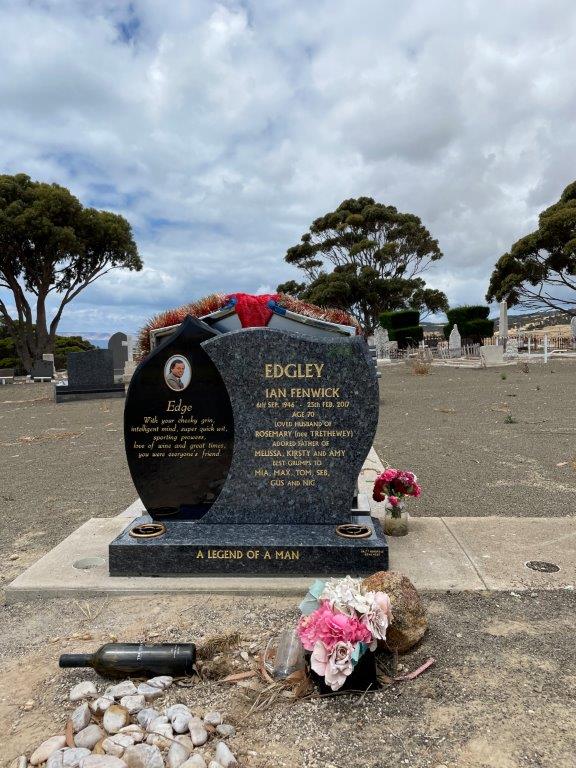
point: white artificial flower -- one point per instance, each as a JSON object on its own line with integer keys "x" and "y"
{"x": 342, "y": 594}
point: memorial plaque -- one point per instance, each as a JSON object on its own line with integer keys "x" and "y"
{"x": 245, "y": 448}
{"x": 178, "y": 426}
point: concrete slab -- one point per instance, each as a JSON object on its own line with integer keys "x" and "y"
{"x": 78, "y": 567}
{"x": 499, "y": 547}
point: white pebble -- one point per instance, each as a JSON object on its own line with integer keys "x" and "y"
{"x": 55, "y": 759}
{"x": 125, "y": 688}
{"x": 198, "y": 734}
{"x": 162, "y": 681}
{"x": 175, "y": 709}
{"x": 180, "y": 722}
{"x": 226, "y": 730}
{"x": 115, "y": 717}
{"x": 72, "y": 756}
{"x": 156, "y": 722}
{"x": 47, "y": 748}
{"x": 143, "y": 756}
{"x": 214, "y": 764}
{"x": 196, "y": 761}
{"x": 117, "y": 744}
{"x": 89, "y": 737}
{"x": 84, "y": 690}
{"x": 161, "y": 735}
{"x": 213, "y": 718}
{"x": 80, "y": 717}
{"x": 133, "y": 703}
{"x": 224, "y": 756}
{"x": 177, "y": 754}
{"x": 151, "y": 692}
{"x": 145, "y": 716}
{"x": 134, "y": 731}
{"x": 101, "y": 704}
{"x": 102, "y": 761}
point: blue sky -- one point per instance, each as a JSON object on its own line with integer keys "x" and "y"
{"x": 221, "y": 130}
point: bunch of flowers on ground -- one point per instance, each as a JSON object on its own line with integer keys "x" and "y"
{"x": 340, "y": 622}
{"x": 392, "y": 485}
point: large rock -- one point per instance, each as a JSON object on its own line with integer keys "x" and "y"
{"x": 409, "y": 622}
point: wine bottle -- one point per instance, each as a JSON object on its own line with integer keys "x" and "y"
{"x": 136, "y": 659}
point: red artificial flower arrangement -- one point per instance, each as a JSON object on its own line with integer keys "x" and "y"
{"x": 392, "y": 485}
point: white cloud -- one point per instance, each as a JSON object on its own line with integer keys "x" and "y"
{"x": 221, "y": 130}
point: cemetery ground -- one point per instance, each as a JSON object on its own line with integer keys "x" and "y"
{"x": 503, "y": 688}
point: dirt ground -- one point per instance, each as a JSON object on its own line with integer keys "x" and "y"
{"x": 503, "y": 689}
{"x": 482, "y": 444}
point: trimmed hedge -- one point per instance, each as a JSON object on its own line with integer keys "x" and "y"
{"x": 403, "y": 318}
{"x": 405, "y": 336}
{"x": 472, "y": 321}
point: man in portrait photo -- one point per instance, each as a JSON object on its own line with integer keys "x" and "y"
{"x": 173, "y": 379}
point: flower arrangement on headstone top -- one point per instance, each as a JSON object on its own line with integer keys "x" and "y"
{"x": 392, "y": 486}
{"x": 342, "y": 622}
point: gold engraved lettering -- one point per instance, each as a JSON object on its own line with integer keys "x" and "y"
{"x": 293, "y": 370}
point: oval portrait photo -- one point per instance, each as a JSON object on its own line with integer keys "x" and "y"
{"x": 177, "y": 372}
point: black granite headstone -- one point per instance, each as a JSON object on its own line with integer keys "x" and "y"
{"x": 178, "y": 429}
{"x": 42, "y": 369}
{"x": 90, "y": 376}
{"x": 247, "y": 447}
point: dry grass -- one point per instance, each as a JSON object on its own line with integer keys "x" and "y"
{"x": 420, "y": 367}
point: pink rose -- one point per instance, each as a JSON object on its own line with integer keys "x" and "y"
{"x": 335, "y": 665}
{"x": 331, "y": 627}
{"x": 393, "y": 500}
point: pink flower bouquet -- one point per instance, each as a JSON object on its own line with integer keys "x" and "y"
{"x": 392, "y": 485}
{"x": 340, "y": 622}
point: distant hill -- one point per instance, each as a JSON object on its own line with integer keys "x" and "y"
{"x": 528, "y": 321}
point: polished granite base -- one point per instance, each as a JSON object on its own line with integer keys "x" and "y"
{"x": 195, "y": 548}
{"x": 63, "y": 394}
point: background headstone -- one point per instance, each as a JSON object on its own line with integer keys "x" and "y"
{"x": 503, "y": 327}
{"x": 573, "y": 327}
{"x": 118, "y": 346}
{"x": 382, "y": 342}
{"x": 43, "y": 369}
{"x": 512, "y": 347}
{"x": 94, "y": 368}
{"x": 455, "y": 341}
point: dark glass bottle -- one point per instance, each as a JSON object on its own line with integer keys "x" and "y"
{"x": 136, "y": 659}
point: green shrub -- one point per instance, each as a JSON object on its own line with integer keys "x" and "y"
{"x": 472, "y": 321}
{"x": 407, "y": 336}
{"x": 403, "y": 318}
{"x": 468, "y": 312}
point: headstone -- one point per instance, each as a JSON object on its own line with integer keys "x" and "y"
{"x": 42, "y": 370}
{"x": 247, "y": 447}
{"x": 90, "y": 376}
{"x": 573, "y": 328}
{"x": 455, "y": 342}
{"x": 118, "y": 345}
{"x": 512, "y": 348}
{"x": 503, "y": 327}
{"x": 491, "y": 355}
{"x": 382, "y": 342}
{"x": 48, "y": 356}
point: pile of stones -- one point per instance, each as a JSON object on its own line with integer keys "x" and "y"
{"x": 122, "y": 728}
